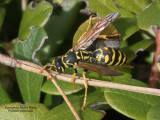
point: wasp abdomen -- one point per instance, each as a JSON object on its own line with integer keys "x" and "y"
{"x": 109, "y": 56}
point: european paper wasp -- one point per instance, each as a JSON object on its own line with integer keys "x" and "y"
{"x": 93, "y": 52}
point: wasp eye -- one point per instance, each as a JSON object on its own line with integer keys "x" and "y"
{"x": 59, "y": 70}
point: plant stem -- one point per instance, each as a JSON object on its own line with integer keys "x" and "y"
{"x": 155, "y": 74}
{"x": 36, "y": 69}
{"x": 64, "y": 77}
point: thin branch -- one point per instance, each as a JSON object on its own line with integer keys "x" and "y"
{"x": 64, "y": 77}
{"x": 24, "y": 4}
{"x": 25, "y": 65}
{"x": 155, "y": 74}
{"x": 64, "y": 96}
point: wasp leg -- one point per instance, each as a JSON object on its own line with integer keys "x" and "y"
{"x": 113, "y": 35}
{"x": 73, "y": 80}
{"x": 89, "y": 25}
{"x": 44, "y": 67}
{"x": 41, "y": 70}
{"x": 53, "y": 64}
{"x": 90, "y": 21}
{"x": 102, "y": 36}
{"x": 48, "y": 77}
{"x": 86, "y": 87}
{"x": 106, "y": 36}
{"x": 48, "y": 64}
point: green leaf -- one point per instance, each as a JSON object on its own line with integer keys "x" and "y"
{"x": 104, "y": 7}
{"x": 138, "y": 46}
{"x": 99, "y": 7}
{"x": 63, "y": 112}
{"x": 154, "y": 113}
{"x": 150, "y": 16}
{"x": 25, "y": 49}
{"x": 17, "y": 111}
{"x": 4, "y": 98}
{"x": 150, "y": 57}
{"x": 60, "y": 2}
{"x": 126, "y": 27}
{"x": 29, "y": 83}
{"x": 133, "y": 5}
{"x": 141, "y": 45}
{"x": 49, "y": 87}
{"x": 129, "y": 53}
{"x": 132, "y": 104}
{"x": 58, "y": 27}
{"x": 48, "y": 100}
{"x": 37, "y": 16}
{"x": 5, "y": 83}
{"x": 67, "y": 87}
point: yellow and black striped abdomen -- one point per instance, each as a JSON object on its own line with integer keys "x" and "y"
{"x": 109, "y": 56}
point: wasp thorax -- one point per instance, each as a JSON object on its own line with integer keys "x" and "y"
{"x": 59, "y": 66}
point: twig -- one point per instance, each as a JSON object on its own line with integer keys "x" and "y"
{"x": 64, "y": 96}
{"x": 64, "y": 77}
{"x": 36, "y": 69}
{"x": 92, "y": 82}
{"x": 154, "y": 75}
{"x": 24, "y": 4}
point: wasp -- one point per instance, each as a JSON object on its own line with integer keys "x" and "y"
{"x": 92, "y": 53}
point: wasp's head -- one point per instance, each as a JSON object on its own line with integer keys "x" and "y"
{"x": 59, "y": 66}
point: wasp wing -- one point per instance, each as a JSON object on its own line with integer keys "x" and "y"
{"x": 103, "y": 70}
{"x": 91, "y": 35}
